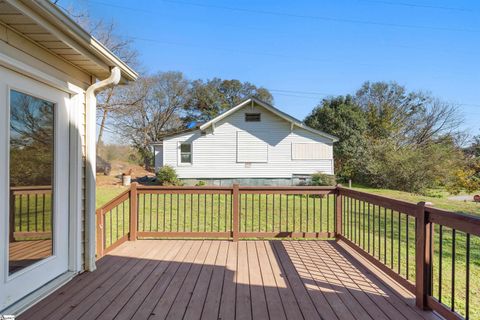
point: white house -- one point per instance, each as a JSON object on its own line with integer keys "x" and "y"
{"x": 50, "y": 71}
{"x": 252, "y": 143}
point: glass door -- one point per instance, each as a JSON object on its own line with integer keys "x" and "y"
{"x": 35, "y": 140}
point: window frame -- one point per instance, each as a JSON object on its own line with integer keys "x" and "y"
{"x": 180, "y": 153}
{"x": 253, "y": 114}
{"x": 313, "y": 144}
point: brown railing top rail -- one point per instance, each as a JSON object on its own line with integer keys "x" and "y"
{"x": 31, "y": 190}
{"x": 459, "y": 221}
{"x": 397, "y": 205}
{"x": 286, "y": 189}
{"x": 241, "y": 189}
{"x": 147, "y": 187}
{"x": 114, "y": 202}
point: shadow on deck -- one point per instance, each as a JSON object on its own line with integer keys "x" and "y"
{"x": 182, "y": 279}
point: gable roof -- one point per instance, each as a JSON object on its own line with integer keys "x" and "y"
{"x": 174, "y": 133}
{"x": 42, "y": 22}
{"x": 274, "y": 110}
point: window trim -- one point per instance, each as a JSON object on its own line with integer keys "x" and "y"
{"x": 293, "y": 158}
{"x": 179, "y": 147}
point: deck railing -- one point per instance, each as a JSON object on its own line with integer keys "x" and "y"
{"x": 431, "y": 252}
{"x": 30, "y": 212}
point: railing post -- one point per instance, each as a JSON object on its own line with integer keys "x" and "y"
{"x": 423, "y": 256}
{"x": 100, "y": 233}
{"x": 235, "y": 211}
{"x": 338, "y": 211}
{"x": 11, "y": 230}
{"x": 133, "y": 211}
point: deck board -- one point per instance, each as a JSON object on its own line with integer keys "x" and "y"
{"x": 207, "y": 279}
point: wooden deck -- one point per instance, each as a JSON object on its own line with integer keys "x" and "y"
{"x": 178, "y": 279}
{"x": 25, "y": 253}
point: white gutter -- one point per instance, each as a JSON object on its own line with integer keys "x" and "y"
{"x": 91, "y": 139}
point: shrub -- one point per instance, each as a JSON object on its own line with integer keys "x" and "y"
{"x": 322, "y": 179}
{"x": 412, "y": 168}
{"x": 200, "y": 183}
{"x": 167, "y": 176}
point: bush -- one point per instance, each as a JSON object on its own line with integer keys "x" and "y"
{"x": 413, "y": 169}
{"x": 167, "y": 176}
{"x": 322, "y": 179}
{"x": 200, "y": 183}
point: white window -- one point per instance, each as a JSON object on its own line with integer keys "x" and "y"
{"x": 185, "y": 153}
{"x": 250, "y": 148}
{"x": 311, "y": 151}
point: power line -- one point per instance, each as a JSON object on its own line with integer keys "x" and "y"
{"x": 209, "y": 23}
{"x": 267, "y": 54}
{"x": 321, "y": 95}
{"x": 298, "y": 96}
{"x": 275, "y": 32}
{"x": 302, "y": 92}
{"x": 423, "y": 6}
{"x": 293, "y": 15}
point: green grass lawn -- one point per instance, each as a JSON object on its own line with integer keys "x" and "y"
{"x": 213, "y": 213}
{"x": 33, "y": 213}
{"x": 382, "y": 232}
{"x": 438, "y": 197}
{"x": 107, "y": 193}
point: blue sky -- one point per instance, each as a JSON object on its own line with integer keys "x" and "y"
{"x": 305, "y": 50}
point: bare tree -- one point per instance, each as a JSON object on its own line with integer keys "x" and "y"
{"x": 407, "y": 118}
{"x": 437, "y": 119}
{"x": 111, "y": 100}
{"x": 160, "y": 102}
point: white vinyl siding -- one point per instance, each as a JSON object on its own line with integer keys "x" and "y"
{"x": 310, "y": 151}
{"x": 158, "y": 149}
{"x": 215, "y": 153}
{"x": 250, "y": 148}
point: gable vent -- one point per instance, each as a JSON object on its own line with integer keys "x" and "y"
{"x": 252, "y": 117}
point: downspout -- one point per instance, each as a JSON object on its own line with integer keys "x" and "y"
{"x": 91, "y": 123}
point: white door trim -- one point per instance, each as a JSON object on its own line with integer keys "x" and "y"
{"x": 75, "y": 116}
{"x": 76, "y": 110}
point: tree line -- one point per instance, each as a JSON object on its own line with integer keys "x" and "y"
{"x": 398, "y": 139}
{"x": 390, "y": 137}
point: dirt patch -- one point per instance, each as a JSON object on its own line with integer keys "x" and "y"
{"x": 118, "y": 168}
{"x": 466, "y": 198}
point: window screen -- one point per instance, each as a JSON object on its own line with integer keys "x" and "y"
{"x": 185, "y": 153}
{"x": 311, "y": 151}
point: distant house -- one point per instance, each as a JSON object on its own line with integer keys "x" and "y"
{"x": 253, "y": 143}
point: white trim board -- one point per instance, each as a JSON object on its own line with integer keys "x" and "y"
{"x": 276, "y": 111}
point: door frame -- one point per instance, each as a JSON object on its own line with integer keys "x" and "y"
{"x": 75, "y": 168}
